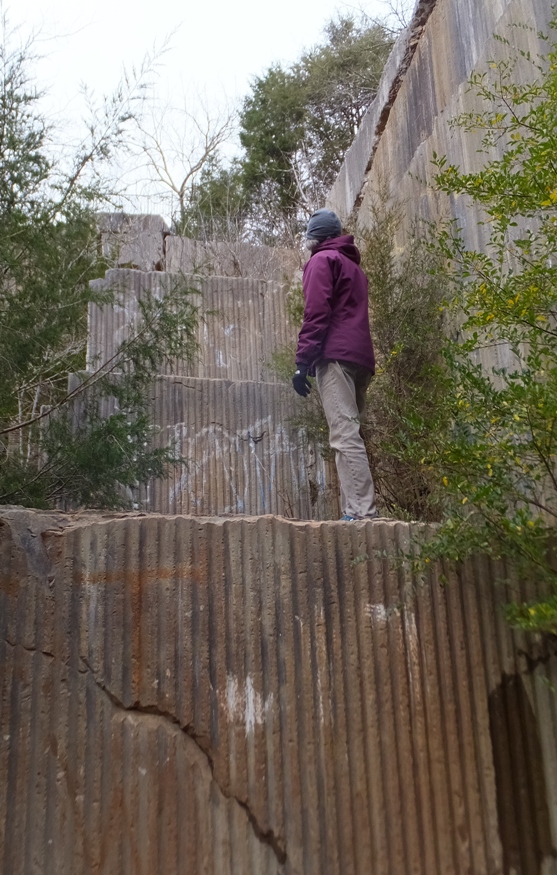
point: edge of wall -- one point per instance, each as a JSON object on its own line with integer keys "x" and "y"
{"x": 346, "y": 193}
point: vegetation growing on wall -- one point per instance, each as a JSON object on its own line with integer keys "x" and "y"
{"x": 405, "y": 296}
{"x": 472, "y": 447}
{"x": 490, "y": 445}
{"x": 48, "y": 254}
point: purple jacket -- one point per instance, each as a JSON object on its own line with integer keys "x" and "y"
{"x": 336, "y": 320}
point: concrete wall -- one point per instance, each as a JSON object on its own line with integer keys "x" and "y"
{"x": 145, "y": 242}
{"x": 222, "y": 258}
{"x": 258, "y": 696}
{"x": 133, "y": 240}
{"x": 424, "y": 86}
{"x": 242, "y": 322}
{"x": 242, "y": 453}
{"x": 227, "y": 413}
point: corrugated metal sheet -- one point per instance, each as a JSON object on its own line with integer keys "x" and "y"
{"x": 243, "y": 322}
{"x": 207, "y": 696}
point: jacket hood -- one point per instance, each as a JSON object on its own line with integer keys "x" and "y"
{"x": 344, "y": 244}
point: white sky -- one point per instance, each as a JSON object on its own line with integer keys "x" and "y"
{"x": 216, "y": 46}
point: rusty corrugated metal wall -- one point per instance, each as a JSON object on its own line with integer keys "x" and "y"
{"x": 254, "y": 696}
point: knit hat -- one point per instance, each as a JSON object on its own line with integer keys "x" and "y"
{"x": 323, "y": 225}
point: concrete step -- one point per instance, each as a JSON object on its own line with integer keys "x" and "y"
{"x": 242, "y": 451}
{"x": 185, "y": 696}
{"x": 243, "y": 455}
{"x": 243, "y": 321}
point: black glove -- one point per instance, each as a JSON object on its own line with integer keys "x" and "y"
{"x": 300, "y": 381}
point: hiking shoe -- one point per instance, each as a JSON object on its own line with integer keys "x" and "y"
{"x": 346, "y": 518}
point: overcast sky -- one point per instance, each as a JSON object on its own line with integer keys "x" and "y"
{"x": 216, "y": 46}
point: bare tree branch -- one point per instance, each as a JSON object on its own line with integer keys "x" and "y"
{"x": 177, "y": 143}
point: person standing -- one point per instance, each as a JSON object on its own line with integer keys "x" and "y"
{"x": 335, "y": 346}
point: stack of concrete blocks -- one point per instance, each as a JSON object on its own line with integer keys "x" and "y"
{"x": 227, "y": 413}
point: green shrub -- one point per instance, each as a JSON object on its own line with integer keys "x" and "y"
{"x": 494, "y": 457}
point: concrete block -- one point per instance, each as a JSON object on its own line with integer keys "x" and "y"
{"x": 242, "y": 322}
{"x": 247, "y": 696}
{"x": 242, "y": 453}
{"x": 231, "y": 259}
{"x": 133, "y": 241}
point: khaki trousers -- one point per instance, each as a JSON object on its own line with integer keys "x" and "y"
{"x": 342, "y": 387}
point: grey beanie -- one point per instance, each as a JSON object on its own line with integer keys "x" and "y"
{"x": 323, "y": 225}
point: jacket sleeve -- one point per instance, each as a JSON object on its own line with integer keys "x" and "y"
{"x": 318, "y": 293}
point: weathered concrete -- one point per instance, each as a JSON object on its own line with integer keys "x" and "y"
{"x": 145, "y": 242}
{"x": 424, "y": 86}
{"x": 205, "y": 696}
{"x": 222, "y": 258}
{"x": 241, "y": 449}
{"x": 242, "y": 322}
{"x": 135, "y": 241}
{"x": 345, "y": 195}
{"x": 243, "y": 454}
{"x": 226, "y": 412}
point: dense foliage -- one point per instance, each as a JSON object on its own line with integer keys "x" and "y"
{"x": 490, "y": 443}
{"x": 48, "y": 254}
{"x": 405, "y": 298}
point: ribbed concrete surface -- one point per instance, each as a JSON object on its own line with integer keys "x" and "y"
{"x": 242, "y": 454}
{"x": 239, "y": 448}
{"x": 243, "y": 321}
{"x": 232, "y": 259}
{"x": 207, "y": 696}
{"x": 424, "y": 87}
{"x": 346, "y": 192}
{"x": 226, "y": 413}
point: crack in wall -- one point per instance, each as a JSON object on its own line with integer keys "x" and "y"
{"x": 352, "y": 179}
{"x": 267, "y": 837}
{"x": 32, "y": 650}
